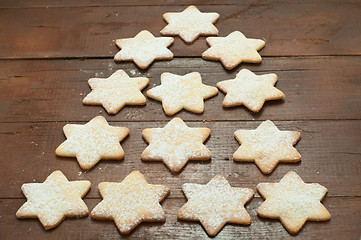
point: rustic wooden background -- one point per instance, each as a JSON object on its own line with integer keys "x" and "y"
{"x": 49, "y": 49}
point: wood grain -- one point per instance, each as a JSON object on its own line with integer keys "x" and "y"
{"x": 315, "y": 88}
{"x": 289, "y": 28}
{"x": 344, "y": 224}
{"x": 329, "y": 149}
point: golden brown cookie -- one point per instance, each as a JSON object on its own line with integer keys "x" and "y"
{"x": 190, "y": 24}
{"x": 130, "y": 202}
{"x": 143, "y": 49}
{"x": 250, "y": 90}
{"x": 267, "y": 146}
{"x": 175, "y": 144}
{"x": 233, "y": 49}
{"x": 93, "y": 141}
{"x": 177, "y": 92}
{"x": 54, "y": 199}
{"x": 116, "y": 91}
{"x": 293, "y": 202}
{"x": 215, "y": 204}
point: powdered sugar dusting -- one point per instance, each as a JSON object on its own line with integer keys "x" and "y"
{"x": 250, "y": 90}
{"x": 267, "y": 146}
{"x": 293, "y": 201}
{"x": 143, "y": 49}
{"x": 55, "y": 198}
{"x": 178, "y": 92}
{"x": 215, "y": 204}
{"x": 130, "y": 202}
{"x": 233, "y": 49}
{"x": 93, "y": 141}
{"x": 175, "y": 144}
{"x": 190, "y": 24}
{"x": 116, "y": 91}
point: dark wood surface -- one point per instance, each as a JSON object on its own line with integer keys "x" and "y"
{"x": 49, "y": 49}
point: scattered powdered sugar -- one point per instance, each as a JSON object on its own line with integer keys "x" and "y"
{"x": 176, "y": 143}
{"x": 178, "y": 92}
{"x": 190, "y": 24}
{"x": 130, "y": 202}
{"x": 215, "y": 204}
{"x": 92, "y": 141}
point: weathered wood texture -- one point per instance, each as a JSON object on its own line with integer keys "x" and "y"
{"x": 330, "y": 156}
{"x": 49, "y": 49}
{"x": 289, "y": 28}
{"x": 315, "y": 88}
{"x": 345, "y": 222}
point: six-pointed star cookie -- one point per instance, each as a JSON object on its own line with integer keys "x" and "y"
{"x": 54, "y": 199}
{"x": 293, "y": 202}
{"x": 215, "y": 204}
{"x": 175, "y": 144}
{"x": 267, "y": 146}
{"x": 178, "y": 92}
{"x": 130, "y": 202}
{"x": 250, "y": 90}
{"x": 93, "y": 141}
{"x": 143, "y": 49}
{"x": 190, "y": 24}
{"x": 116, "y": 91}
{"x": 233, "y": 49}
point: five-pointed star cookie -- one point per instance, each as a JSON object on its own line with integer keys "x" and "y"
{"x": 143, "y": 49}
{"x": 233, "y": 49}
{"x": 267, "y": 146}
{"x": 190, "y": 24}
{"x": 178, "y": 92}
{"x": 116, "y": 91}
{"x": 130, "y": 202}
{"x": 175, "y": 144}
{"x": 250, "y": 90}
{"x": 215, "y": 204}
{"x": 93, "y": 141}
{"x": 293, "y": 202}
{"x": 54, "y": 199}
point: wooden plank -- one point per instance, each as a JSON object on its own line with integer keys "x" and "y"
{"x": 344, "y": 224}
{"x": 315, "y": 88}
{"x": 330, "y": 156}
{"x": 313, "y": 28}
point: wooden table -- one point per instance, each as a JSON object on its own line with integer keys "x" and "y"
{"x": 49, "y": 49}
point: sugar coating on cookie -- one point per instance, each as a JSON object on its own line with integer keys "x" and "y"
{"x": 215, "y": 204}
{"x": 130, "y": 202}
{"x": 175, "y": 144}
{"x": 54, "y": 199}
{"x": 190, "y": 24}
{"x": 93, "y": 141}
{"x": 143, "y": 49}
{"x": 267, "y": 146}
{"x": 116, "y": 91}
{"x": 177, "y": 92}
{"x": 293, "y": 202}
{"x": 233, "y": 49}
{"x": 250, "y": 90}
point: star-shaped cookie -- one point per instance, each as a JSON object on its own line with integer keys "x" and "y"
{"x": 293, "y": 202}
{"x": 116, "y": 91}
{"x": 250, "y": 90}
{"x": 93, "y": 141}
{"x": 54, "y": 199}
{"x": 178, "y": 92}
{"x": 143, "y": 49}
{"x": 130, "y": 202}
{"x": 190, "y": 24}
{"x": 175, "y": 144}
{"x": 233, "y": 49}
{"x": 215, "y": 204}
{"x": 267, "y": 146}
